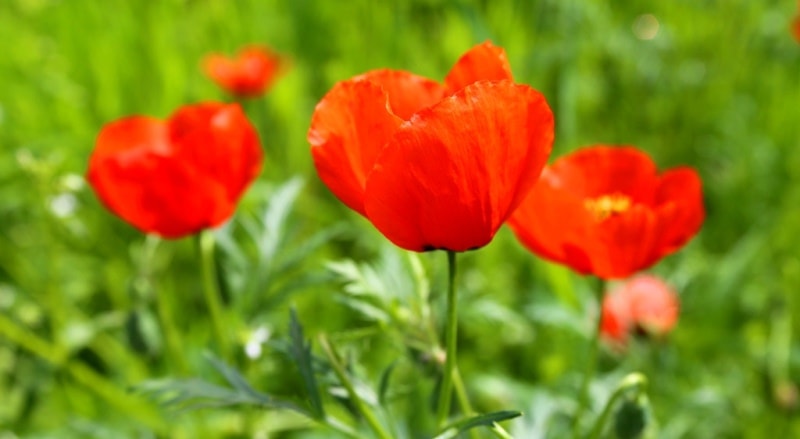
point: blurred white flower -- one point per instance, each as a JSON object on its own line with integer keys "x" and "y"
{"x": 253, "y": 348}
{"x": 63, "y": 205}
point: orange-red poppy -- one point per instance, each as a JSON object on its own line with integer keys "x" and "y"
{"x": 176, "y": 177}
{"x": 433, "y": 166}
{"x": 606, "y": 211}
{"x": 796, "y": 28}
{"x": 643, "y": 303}
{"x": 249, "y": 74}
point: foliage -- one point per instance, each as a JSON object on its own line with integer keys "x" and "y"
{"x": 90, "y": 309}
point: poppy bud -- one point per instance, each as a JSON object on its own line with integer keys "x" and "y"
{"x": 644, "y": 303}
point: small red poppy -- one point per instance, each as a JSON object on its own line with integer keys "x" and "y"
{"x": 643, "y": 303}
{"x": 606, "y": 211}
{"x": 176, "y": 177}
{"x": 433, "y": 166}
{"x": 796, "y": 28}
{"x": 249, "y": 74}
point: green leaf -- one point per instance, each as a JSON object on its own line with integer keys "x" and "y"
{"x": 485, "y": 420}
{"x": 276, "y": 215}
{"x": 193, "y": 394}
{"x": 294, "y": 256}
{"x": 383, "y": 386}
{"x": 234, "y": 378}
{"x": 300, "y": 352}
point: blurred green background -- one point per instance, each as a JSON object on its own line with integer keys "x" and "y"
{"x": 89, "y": 308}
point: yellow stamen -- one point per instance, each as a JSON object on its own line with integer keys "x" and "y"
{"x": 607, "y": 205}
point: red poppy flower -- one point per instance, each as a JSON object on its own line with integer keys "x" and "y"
{"x": 643, "y": 303}
{"x": 433, "y": 166}
{"x": 249, "y": 74}
{"x": 796, "y": 28}
{"x": 606, "y": 211}
{"x": 179, "y": 176}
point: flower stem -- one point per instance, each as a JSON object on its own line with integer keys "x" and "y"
{"x": 211, "y": 290}
{"x": 461, "y": 392}
{"x": 500, "y": 432}
{"x": 451, "y": 332}
{"x": 463, "y": 398}
{"x": 359, "y": 404}
{"x": 163, "y": 301}
{"x": 590, "y": 365}
{"x": 632, "y": 381}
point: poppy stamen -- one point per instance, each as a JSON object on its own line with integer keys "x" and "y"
{"x": 607, "y": 205}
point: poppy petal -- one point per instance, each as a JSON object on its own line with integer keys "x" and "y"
{"x": 125, "y": 143}
{"x": 130, "y": 134}
{"x": 607, "y": 212}
{"x": 604, "y": 170}
{"x": 680, "y": 207}
{"x": 221, "y": 69}
{"x": 407, "y": 92}
{"x": 453, "y": 174}
{"x": 220, "y": 142}
{"x": 350, "y": 125}
{"x": 484, "y": 62}
{"x": 178, "y": 177}
{"x": 133, "y": 174}
{"x": 616, "y": 317}
{"x": 654, "y": 305}
{"x": 249, "y": 74}
{"x": 796, "y": 28}
{"x": 158, "y": 195}
{"x": 623, "y": 244}
{"x": 644, "y": 302}
{"x": 548, "y": 220}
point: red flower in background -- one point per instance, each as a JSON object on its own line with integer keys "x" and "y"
{"x": 433, "y": 166}
{"x": 796, "y": 28}
{"x": 643, "y": 303}
{"x": 606, "y": 211}
{"x": 249, "y": 74}
{"x": 179, "y": 176}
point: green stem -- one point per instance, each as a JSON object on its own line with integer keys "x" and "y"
{"x": 451, "y": 332}
{"x": 463, "y": 398}
{"x": 359, "y": 404}
{"x": 461, "y": 393}
{"x": 172, "y": 335}
{"x": 500, "y": 431}
{"x": 591, "y": 364}
{"x": 632, "y": 381}
{"x": 466, "y": 407}
{"x": 211, "y": 290}
{"x": 163, "y": 309}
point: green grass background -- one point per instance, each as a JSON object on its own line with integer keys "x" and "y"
{"x": 84, "y": 317}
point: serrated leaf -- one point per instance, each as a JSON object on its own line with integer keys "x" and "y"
{"x": 485, "y": 420}
{"x": 192, "y": 394}
{"x": 367, "y": 309}
{"x": 233, "y": 377}
{"x": 300, "y": 352}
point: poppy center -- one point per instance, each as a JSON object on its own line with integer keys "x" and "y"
{"x": 607, "y": 205}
